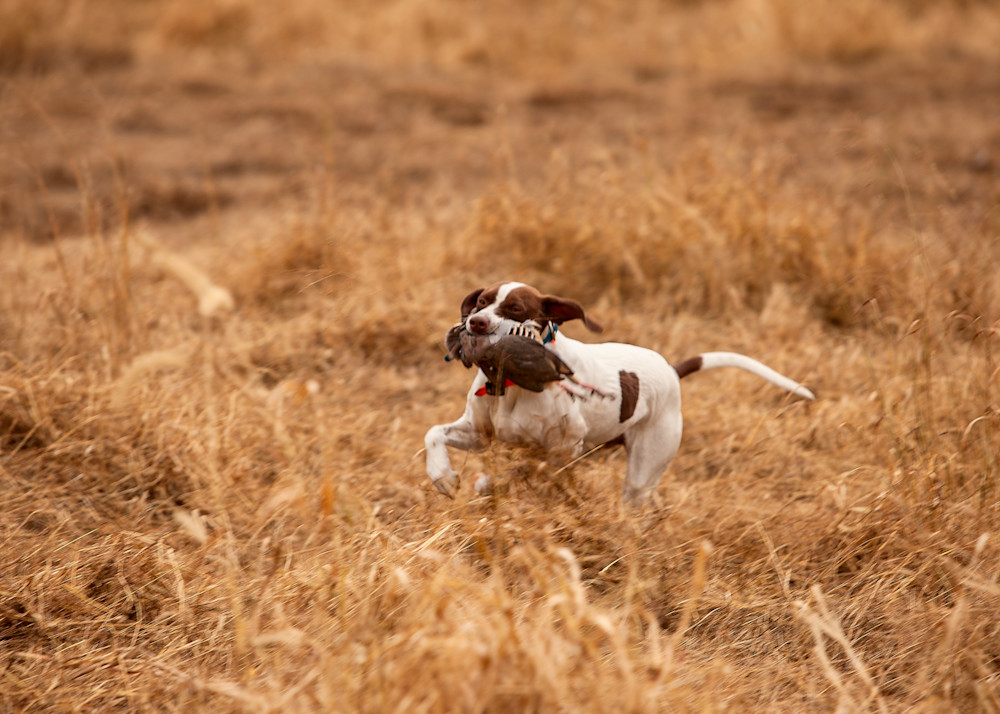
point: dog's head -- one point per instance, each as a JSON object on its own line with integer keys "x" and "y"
{"x": 503, "y": 307}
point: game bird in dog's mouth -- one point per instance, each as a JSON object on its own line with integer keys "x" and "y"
{"x": 517, "y": 359}
{"x": 537, "y": 386}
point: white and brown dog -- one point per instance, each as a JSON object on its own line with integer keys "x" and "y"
{"x": 636, "y": 394}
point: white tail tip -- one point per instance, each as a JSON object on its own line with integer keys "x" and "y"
{"x": 711, "y": 360}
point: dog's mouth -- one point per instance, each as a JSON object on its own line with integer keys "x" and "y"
{"x": 529, "y": 329}
{"x": 525, "y": 329}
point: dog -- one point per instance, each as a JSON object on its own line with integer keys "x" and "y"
{"x": 634, "y": 393}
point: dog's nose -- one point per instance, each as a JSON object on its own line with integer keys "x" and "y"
{"x": 479, "y": 325}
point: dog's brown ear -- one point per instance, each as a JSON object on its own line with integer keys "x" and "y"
{"x": 559, "y": 310}
{"x": 470, "y": 302}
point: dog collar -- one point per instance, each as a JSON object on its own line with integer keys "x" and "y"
{"x": 549, "y": 333}
{"x": 492, "y": 389}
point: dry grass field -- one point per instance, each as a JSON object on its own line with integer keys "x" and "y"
{"x": 233, "y": 235}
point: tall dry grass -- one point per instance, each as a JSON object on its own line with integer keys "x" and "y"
{"x": 227, "y": 508}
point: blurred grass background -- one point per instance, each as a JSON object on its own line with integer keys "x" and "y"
{"x": 215, "y": 503}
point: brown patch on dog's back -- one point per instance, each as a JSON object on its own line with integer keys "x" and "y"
{"x": 630, "y": 394}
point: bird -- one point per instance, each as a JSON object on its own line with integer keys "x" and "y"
{"x": 522, "y": 361}
{"x": 518, "y": 358}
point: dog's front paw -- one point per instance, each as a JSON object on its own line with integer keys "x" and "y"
{"x": 636, "y": 498}
{"x": 447, "y": 484}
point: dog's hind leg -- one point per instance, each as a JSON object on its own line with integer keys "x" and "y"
{"x": 651, "y": 447}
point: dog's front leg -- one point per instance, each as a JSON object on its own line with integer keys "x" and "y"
{"x": 460, "y": 434}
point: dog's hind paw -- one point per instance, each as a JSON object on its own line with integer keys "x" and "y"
{"x": 634, "y": 497}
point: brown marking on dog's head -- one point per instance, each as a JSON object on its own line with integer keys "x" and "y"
{"x": 521, "y": 304}
{"x": 480, "y": 299}
{"x": 469, "y": 303}
{"x": 559, "y": 310}
{"x": 629, "y": 382}
{"x": 524, "y": 303}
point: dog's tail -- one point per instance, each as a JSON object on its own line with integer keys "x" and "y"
{"x": 711, "y": 360}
